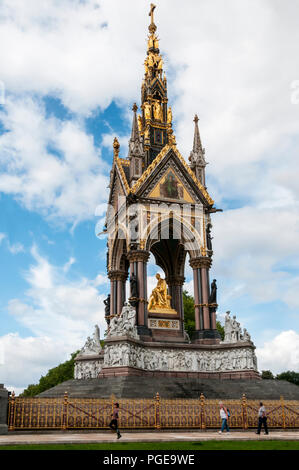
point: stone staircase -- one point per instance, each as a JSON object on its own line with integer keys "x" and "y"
{"x": 147, "y": 387}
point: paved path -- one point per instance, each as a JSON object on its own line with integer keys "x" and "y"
{"x": 162, "y": 436}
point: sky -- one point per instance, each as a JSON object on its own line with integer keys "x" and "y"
{"x": 70, "y": 72}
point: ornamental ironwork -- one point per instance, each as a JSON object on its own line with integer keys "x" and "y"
{"x": 148, "y": 413}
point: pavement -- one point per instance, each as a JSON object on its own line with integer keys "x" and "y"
{"x": 68, "y": 437}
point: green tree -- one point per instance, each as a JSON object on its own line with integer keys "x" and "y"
{"x": 220, "y": 328}
{"x": 267, "y": 374}
{"x": 189, "y": 316}
{"x": 55, "y": 376}
{"x": 290, "y": 376}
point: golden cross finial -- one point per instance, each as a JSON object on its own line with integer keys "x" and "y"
{"x": 152, "y": 27}
{"x": 151, "y": 13}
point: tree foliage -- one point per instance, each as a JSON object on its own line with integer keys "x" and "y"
{"x": 189, "y": 316}
{"x": 290, "y": 376}
{"x": 55, "y": 376}
{"x": 220, "y": 328}
{"x": 267, "y": 374}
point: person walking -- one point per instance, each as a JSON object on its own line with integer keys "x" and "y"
{"x": 114, "y": 422}
{"x": 224, "y": 416}
{"x": 262, "y": 416}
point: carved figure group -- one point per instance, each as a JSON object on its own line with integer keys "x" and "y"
{"x": 92, "y": 345}
{"x": 233, "y": 331}
{"x": 125, "y": 323}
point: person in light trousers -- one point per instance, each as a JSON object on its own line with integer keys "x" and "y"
{"x": 224, "y": 417}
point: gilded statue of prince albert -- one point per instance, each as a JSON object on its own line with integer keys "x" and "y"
{"x": 159, "y": 300}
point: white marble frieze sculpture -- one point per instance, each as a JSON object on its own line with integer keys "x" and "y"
{"x": 126, "y": 354}
{"x": 87, "y": 365}
{"x": 88, "y": 369}
{"x": 233, "y": 332}
{"x": 92, "y": 345}
{"x": 124, "y": 324}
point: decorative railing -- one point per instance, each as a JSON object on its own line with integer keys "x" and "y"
{"x": 156, "y": 413}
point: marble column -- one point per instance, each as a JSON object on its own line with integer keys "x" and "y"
{"x": 117, "y": 291}
{"x": 205, "y": 320}
{"x": 197, "y": 299}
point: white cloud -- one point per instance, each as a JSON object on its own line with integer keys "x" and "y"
{"x": 14, "y": 248}
{"x": 69, "y": 263}
{"x": 280, "y": 354}
{"x": 58, "y": 307}
{"x": 26, "y": 359}
{"x": 60, "y": 312}
{"x": 256, "y": 252}
{"x": 50, "y": 166}
{"x": 71, "y": 49}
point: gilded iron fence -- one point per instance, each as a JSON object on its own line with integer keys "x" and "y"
{"x": 156, "y": 413}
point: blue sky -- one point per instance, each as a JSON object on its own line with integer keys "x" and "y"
{"x": 71, "y": 72}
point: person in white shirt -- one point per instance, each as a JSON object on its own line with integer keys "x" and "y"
{"x": 224, "y": 417}
{"x": 262, "y": 416}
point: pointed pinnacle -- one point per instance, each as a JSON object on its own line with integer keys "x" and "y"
{"x": 196, "y": 140}
{"x": 135, "y": 130}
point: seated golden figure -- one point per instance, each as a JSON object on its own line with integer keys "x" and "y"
{"x": 159, "y": 300}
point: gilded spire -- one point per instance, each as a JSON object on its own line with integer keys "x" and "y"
{"x": 155, "y": 122}
{"x": 153, "y": 63}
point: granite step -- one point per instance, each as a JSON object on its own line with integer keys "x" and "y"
{"x": 142, "y": 387}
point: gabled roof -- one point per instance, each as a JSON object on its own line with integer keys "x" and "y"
{"x": 122, "y": 170}
{"x": 159, "y": 158}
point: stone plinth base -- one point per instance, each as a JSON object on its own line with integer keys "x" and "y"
{"x": 89, "y": 366}
{"x": 130, "y": 356}
{"x": 133, "y": 371}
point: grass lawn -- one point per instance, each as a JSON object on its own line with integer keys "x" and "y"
{"x": 199, "y": 446}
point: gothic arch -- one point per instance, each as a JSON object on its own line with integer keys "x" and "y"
{"x": 181, "y": 230}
